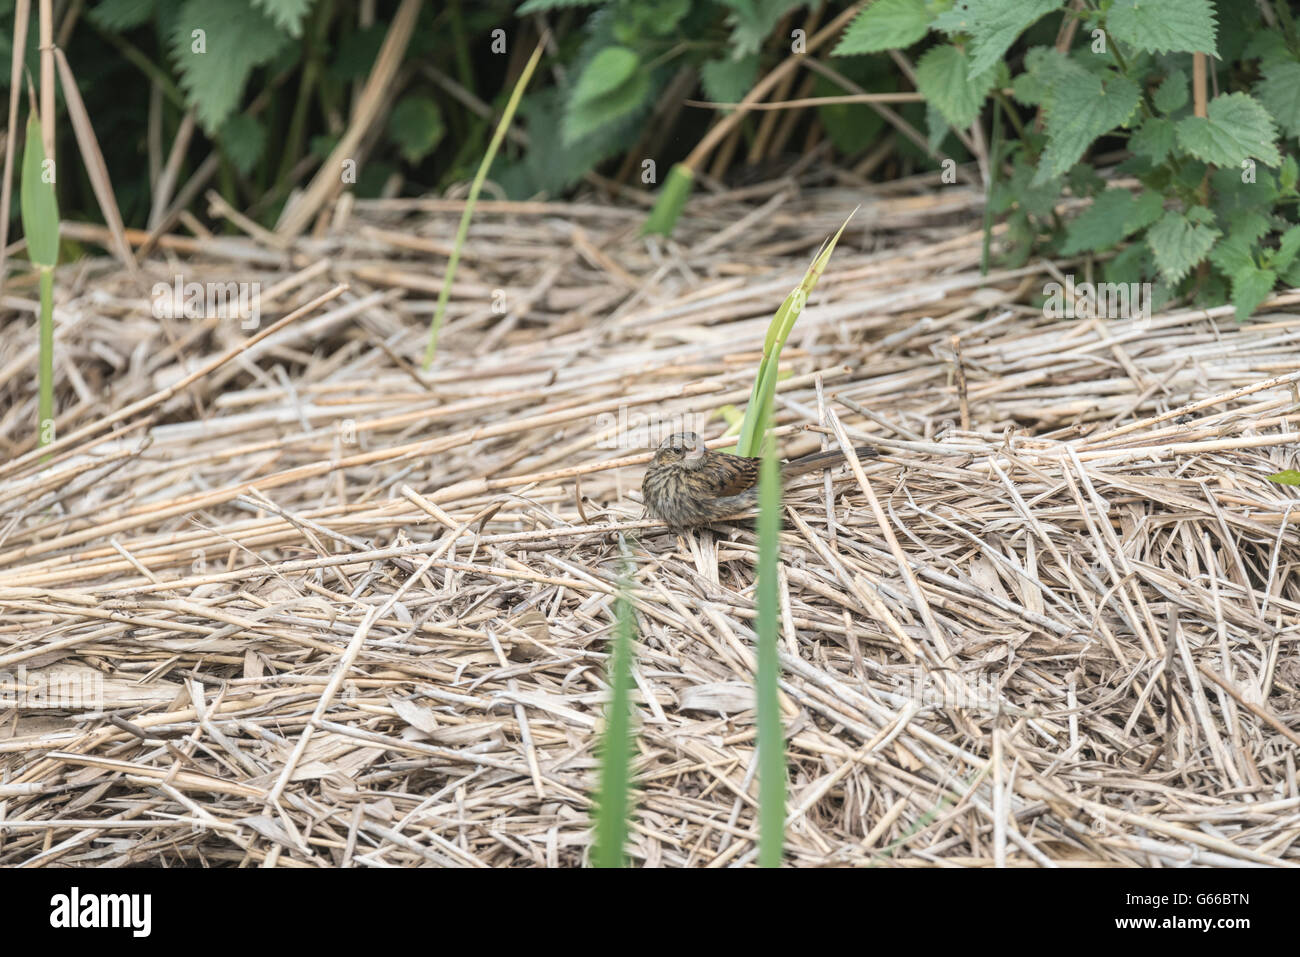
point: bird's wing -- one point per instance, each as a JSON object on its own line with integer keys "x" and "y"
{"x": 732, "y": 474}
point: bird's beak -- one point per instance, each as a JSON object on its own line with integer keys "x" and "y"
{"x": 696, "y": 454}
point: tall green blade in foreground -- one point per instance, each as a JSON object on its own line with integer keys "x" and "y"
{"x": 771, "y": 738}
{"x": 613, "y": 805}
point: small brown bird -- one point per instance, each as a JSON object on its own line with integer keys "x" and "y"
{"x": 686, "y": 484}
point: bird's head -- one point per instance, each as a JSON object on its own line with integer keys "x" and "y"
{"x": 685, "y": 448}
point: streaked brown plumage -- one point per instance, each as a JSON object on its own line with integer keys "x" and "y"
{"x": 688, "y": 485}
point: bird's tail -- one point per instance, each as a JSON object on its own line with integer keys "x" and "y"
{"x": 821, "y": 460}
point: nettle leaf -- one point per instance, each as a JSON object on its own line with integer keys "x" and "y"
{"x": 1279, "y": 91}
{"x": 943, "y": 76}
{"x": 289, "y": 14}
{"x": 1288, "y": 174}
{"x": 236, "y": 40}
{"x": 1266, "y": 46}
{"x": 417, "y": 127}
{"x": 122, "y": 15}
{"x": 1161, "y": 26}
{"x": 1172, "y": 93}
{"x": 885, "y": 25}
{"x": 1081, "y": 110}
{"x": 727, "y": 80}
{"x": 1128, "y": 266}
{"x": 1285, "y": 477}
{"x": 551, "y": 165}
{"x": 1153, "y": 139}
{"x": 1233, "y": 254}
{"x": 1113, "y": 215}
{"x": 752, "y": 21}
{"x": 612, "y": 85}
{"x": 1250, "y": 223}
{"x": 243, "y": 140}
{"x": 1149, "y": 207}
{"x": 1286, "y": 249}
{"x": 1101, "y": 225}
{"x": 356, "y": 53}
{"x": 607, "y": 71}
{"x": 851, "y": 128}
{"x": 1178, "y": 244}
{"x": 992, "y": 26}
{"x": 1237, "y": 127}
{"x": 1251, "y": 286}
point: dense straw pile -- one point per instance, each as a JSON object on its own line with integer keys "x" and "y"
{"x": 341, "y": 612}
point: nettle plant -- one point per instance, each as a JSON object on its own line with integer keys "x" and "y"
{"x": 1202, "y": 206}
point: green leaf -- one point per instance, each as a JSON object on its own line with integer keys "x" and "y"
{"x": 552, "y": 165}
{"x": 1179, "y": 244}
{"x": 1266, "y": 46}
{"x": 1251, "y": 286}
{"x": 944, "y": 78}
{"x": 1172, "y": 93}
{"x": 851, "y": 128}
{"x": 1237, "y": 127}
{"x": 1160, "y": 26}
{"x": 1149, "y": 207}
{"x": 1153, "y": 139}
{"x": 992, "y": 26}
{"x": 40, "y": 209}
{"x": 417, "y": 127}
{"x": 1249, "y": 224}
{"x": 1101, "y": 225}
{"x": 1287, "y": 248}
{"x": 289, "y": 14}
{"x": 728, "y": 80}
{"x": 1129, "y": 265}
{"x": 243, "y": 140}
{"x": 885, "y": 25}
{"x": 1286, "y": 477}
{"x": 752, "y": 21}
{"x": 1233, "y": 254}
{"x": 1279, "y": 91}
{"x": 609, "y": 69}
{"x": 1287, "y": 174}
{"x": 356, "y": 53}
{"x": 235, "y": 40}
{"x": 590, "y": 115}
{"x": 1081, "y": 110}
{"x": 1113, "y": 215}
{"x": 122, "y": 15}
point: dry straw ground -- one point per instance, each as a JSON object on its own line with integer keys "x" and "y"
{"x": 343, "y": 613}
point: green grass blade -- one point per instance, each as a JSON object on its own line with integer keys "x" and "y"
{"x": 613, "y": 802}
{"x": 463, "y": 230}
{"x": 672, "y": 200}
{"x": 778, "y": 330}
{"x": 771, "y": 741}
{"x": 45, "y": 379}
{"x": 39, "y": 207}
{"x": 40, "y": 212}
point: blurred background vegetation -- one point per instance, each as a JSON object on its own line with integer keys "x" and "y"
{"x": 1021, "y": 94}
